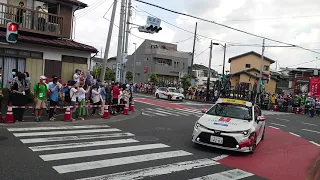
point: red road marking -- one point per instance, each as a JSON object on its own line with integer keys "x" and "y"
{"x": 279, "y": 156}
{"x": 160, "y": 103}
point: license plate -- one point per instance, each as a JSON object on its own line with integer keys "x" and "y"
{"x": 216, "y": 139}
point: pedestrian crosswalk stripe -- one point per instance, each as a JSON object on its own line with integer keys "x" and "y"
{"x": 74, "y": 138}
{"x": 83, "y": 144}
{"x": 65, "y": 132}
{"x": 172, "y": 111}
{"x": 162, "y": 111}
{"x": 118, "y": 161}
{"x": 197, "y": 111}
{"x": 186, "y": 111}
{"x": 57, "y": 127}
{"x": 156, "y": 171}
{"x": 233, "y": 174}
{"x": 160, "y": 114}
{"x": 70, "y": 155}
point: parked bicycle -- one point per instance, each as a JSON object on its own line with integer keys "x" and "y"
{"x": 222, "y": 86}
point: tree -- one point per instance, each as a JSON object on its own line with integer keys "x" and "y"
{"x": 129, "y": 76}
{"x": 110, "y": 75}
{"x": 153, "y": 78}
{"x": 186, "y": 82}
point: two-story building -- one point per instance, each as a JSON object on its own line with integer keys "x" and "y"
{"x": 246, "y": 67}
{"x": 97, "y": 62}
{"x": 160, "y": 58}
{"x": 45, "y": 45}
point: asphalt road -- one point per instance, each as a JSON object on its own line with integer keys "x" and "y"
{"x": 154, "y": 145}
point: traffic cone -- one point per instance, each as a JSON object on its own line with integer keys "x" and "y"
{"x": 131, "y": 108}
{"x": 297, "y": 110}
{"x": 9, "y": 116}
{"x": 67, "y": 115}
{"x": 125, "y": 109}
{"x": 106, "y": 112}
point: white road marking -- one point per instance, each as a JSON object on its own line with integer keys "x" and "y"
{"x": 82, "y": 144}
{"x": 198, "y": 111}
{"x": 278, "y": 124}
{"x": 160, "y": 111}
{"x": 146, "y": 114}
{"x": 70, "y": 155}
{"x": 179, "y": 111}
{"x": 233, "y": 174}
{"x": 157, "y": 170}
{"x": 273, "y": 127}
{"x": 57, "y": 127}
{"x": 118, "y": 161}
{"x": 315, "y": 143}
{"x": 74, "y": 138}
{"x": 151, "y": 112}
{"x": 146, "y": 103}
{"x": 282, "y": 119}
{"x": 309, "y": 124}
{"x": 170, "y": 111}
{"x": 310, "y": 131}
{"x": 295, "y": 134}
{"x": 220, "y": 157}
{"x": 65, "y": 132}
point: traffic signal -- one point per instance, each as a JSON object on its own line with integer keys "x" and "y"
{"x": 12, "y": 32}
{"x": 154, "y": 28}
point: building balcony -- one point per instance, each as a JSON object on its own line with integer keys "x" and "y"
{"x": 169, "y": 53}
{"x": 31, "y": 21}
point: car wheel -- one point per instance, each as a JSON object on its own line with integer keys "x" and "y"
{"x": 264, "y": 129}
{"x": 157, "y": 96}
{"x": 254, "y": 145}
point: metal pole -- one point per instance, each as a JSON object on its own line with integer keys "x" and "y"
{"x": 209, "y": 72}
{"x": 134, "y": 62}
{"x": 127, "y": 39}
{"x": 106, "y": 51}
{"x": 120, "y": 39}
{"x": 123, "y": 40}
{"x": 261, "y": 67}
{"x": 193, "y": 49}
{"x": 224, "y": 57}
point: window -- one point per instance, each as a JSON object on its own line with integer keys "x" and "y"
{"x": 114, "y": 66}
{"x": 232, "y": 111}
{"x": 266, "y": 68}
{"x": 248, "y": 65}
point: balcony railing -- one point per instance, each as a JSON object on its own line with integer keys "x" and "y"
{"x": 31, "y": 20}
{"x": 167, "y": 53}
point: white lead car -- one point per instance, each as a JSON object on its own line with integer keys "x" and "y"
{"x": 230, "y": 124}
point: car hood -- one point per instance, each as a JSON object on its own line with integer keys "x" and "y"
{"x": 224, "y": 123}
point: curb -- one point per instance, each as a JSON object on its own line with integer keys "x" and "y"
{"x": 112, "y": 119}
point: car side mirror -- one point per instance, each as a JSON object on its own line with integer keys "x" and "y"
{"x": 261, "y": 118}
{"x": 203, "y": 110}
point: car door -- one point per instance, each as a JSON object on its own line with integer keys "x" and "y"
{"x": 162, "y": 92}
{"x": 259, "y": 125}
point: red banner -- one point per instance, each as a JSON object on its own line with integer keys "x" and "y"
{"x": 314, "y": 88}
{"x": 145, "y": 69}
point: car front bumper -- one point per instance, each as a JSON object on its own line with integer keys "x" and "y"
{"x": 231, "y": 141}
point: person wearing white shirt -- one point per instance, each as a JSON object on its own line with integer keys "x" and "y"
{"x": 81, "y": 111}
{"x": 76, "y": 76}
{"x": 95, "y": 97}
{"x": 73, "y": 96}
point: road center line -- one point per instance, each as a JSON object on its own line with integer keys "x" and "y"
{"x": 310, "y": 131}
{"x": 282, "y": 119}
{"x": 309, "y": 124}
{"x": 278, "y": 124}
{"x": 295, "y": 134}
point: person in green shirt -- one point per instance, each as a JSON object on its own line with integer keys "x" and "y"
{"x": 40, "y": 96}
{"x": 303, "y": 103}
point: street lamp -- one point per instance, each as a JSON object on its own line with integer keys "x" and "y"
{"x": 134, "y": 62}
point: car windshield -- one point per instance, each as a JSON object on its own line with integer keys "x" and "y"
{"x": 173, "y": 90}
{"x": 232, "y": 111}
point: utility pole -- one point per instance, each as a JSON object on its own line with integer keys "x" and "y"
{"x": 120, "y": 41}
{"x": 106, "y": 51}
{"x": 126, "y": 39}
{"x": 261, "y": 67}
{"x": 209, "y": 73}
{"x": 134, "y": 62}
{"x": 123, "y": 40}
{"x": 193, "y": 49}
{"x": 224, "y": 57}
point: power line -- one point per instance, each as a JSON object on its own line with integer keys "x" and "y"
{"x": 184, "y": 40}
{"x": 303, "y": 63}
{"x": 90, "y": 10}
{"x": 202, "y": 52}
{"x": 229, "y": 27}
{"x": 108, "y": 10}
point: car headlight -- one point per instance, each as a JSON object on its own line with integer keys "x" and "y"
{"x": 197, "y": 125}
{"x": 246, "y": 133}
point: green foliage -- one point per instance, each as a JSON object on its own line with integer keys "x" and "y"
{"x": 186, "y": 82}
{"x": 129, "y": 76}
{"x": 153, "y": 78}
{"x": 109, "y": 75}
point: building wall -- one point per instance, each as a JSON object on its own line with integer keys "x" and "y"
{"x": 35, "y": 69}
{"x": 239, "y": 64}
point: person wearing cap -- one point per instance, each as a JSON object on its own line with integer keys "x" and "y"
{"x": 54, "y": 88}
{"x": 40, "y": 96}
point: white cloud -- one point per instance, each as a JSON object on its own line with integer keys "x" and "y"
{"x": 281, "y": 20}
